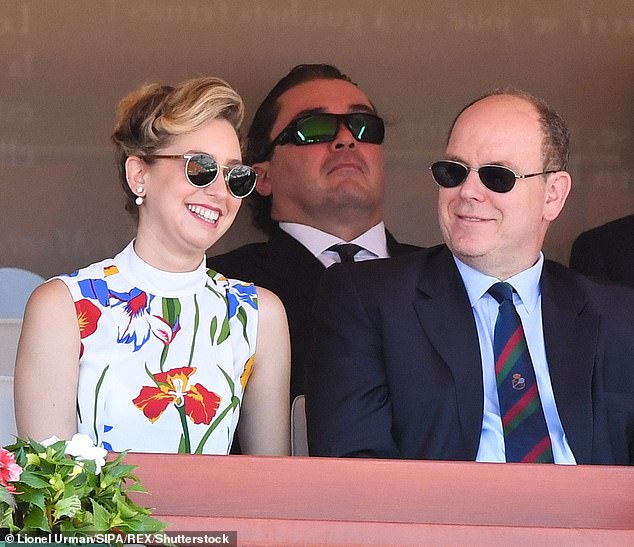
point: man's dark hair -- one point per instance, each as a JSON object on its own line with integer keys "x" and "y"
{"x": 556, "y": 135}
{"x": 259, "y": 136}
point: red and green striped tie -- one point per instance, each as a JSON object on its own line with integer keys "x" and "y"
{"x": 525, "y": 432}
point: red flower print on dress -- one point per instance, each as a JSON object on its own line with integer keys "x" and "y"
{"x": 173, "y": 386}
{"x": 87, "y": 316}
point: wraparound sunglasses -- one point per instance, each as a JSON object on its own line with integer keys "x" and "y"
{"x": 323, "y": 127}
{"x": 449, "y": 174}
{"x": 202, "y": 170}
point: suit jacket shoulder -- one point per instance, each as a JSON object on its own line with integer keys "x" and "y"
{"x": 606, "y": 252}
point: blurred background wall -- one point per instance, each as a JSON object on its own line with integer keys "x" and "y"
{"x": 65, "y": 63}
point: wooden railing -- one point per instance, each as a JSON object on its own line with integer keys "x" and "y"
{"x": 318, "y": 501}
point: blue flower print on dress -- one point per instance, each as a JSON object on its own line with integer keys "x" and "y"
{"x": 106, "y": 444}
{"x": 96, "y": 289}
{"x": 242, "y": 293}
{"x": 136, "y": 323}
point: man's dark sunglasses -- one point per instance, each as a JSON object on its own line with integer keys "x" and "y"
{"x": 449, "y": 174}
{"x": 323, "y": 127}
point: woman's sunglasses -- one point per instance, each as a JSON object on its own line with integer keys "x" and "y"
{"x": 449, "y": 174}
{"x": 323, "y": 127}
{"x": 202, "y": 170}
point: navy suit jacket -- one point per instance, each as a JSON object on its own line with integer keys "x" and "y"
{"x": 397, "y": 370}
{"x": 607, "y": 252}
{"x": 284, "y": 266}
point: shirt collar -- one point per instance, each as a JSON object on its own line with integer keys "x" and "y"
{"x": 316, "y": 241}
{"x": 525, "y": 283}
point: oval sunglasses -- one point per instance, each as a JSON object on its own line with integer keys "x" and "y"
{"x": 201, "y": 170}
{"x": 450, "y": 173}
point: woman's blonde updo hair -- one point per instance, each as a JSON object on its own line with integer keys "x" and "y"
{"x": 148, "y": 118}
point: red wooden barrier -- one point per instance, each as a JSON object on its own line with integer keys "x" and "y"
{"x": 319, "y": 501}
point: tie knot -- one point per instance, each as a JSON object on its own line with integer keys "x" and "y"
{"x": 501, "y": 292}
{"x": 346, "y": 251}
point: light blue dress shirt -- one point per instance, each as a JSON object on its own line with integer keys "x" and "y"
{"x": 527, "y": 299}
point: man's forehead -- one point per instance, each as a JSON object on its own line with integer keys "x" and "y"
{"x": 498, "y": 115}
{"x": 337, "y": 96}
{"x": 498, "y": 129}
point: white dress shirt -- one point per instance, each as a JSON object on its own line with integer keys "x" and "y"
{"x": 373, "y": 242}
{"x": 527, "y": 299}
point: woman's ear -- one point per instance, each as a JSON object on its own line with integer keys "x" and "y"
{"x": 263, "y": 185}
{"x": 135, "y": 170}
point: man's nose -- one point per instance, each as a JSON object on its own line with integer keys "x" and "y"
{"x": 344, "y": 137}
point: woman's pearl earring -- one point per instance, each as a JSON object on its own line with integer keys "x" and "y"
{"x": 139, "y": 199}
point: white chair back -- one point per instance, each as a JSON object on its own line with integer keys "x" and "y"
{"x": 9, "y": 336}
{"x": 299, "y": 439}
{"x": 16, "y": 286}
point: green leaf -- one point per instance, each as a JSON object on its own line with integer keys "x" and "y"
{"x": 34, "y": 480}
{"x": 7, "y": 498}
{"x": 119, "y": 458}
{"x": 213, "y": 328}
{"x": 136, "y": 487}
{"x": 94, "y": 414}
{"x": 215, "y": 292}
{"x": 171, "y": 313}
{"x": 101, "y": 517}
{"x": 242, "y": 317}
{"x": 163, "y": 358}
{"x": 66, "y": 507}
{"x": 36, "y": 520}
{"x": 121, "y": 470}
{"x": 181, "y": 445}
{"x": 232, "y": 385}
{"x": 171, "y": 310}
{"x": 127, "y": 511}
{"x": 196, "y": 321}
{"x": 34, "y": 497}
{"x": 147, "y": 371}
{"x": 224, "y": 331}
{"x": 6, "y": 519}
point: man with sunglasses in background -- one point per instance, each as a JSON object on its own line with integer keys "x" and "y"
{"x": 479, "y": 349}
{"x": 316, "y": 144}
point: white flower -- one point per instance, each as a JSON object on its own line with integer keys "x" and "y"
{"x": 48, "y": 442}
{"x": 82, "y": 448}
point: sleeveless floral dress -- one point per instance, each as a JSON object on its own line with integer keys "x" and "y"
{"x": 165, "y": 357}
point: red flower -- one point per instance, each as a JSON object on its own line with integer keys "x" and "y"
{"x": 9, "y": 470}
{"x": 173, "y": 387}
{"x": 87, "y": 316}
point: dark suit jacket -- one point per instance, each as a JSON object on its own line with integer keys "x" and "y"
{"x": 607, "y": 252}
{"x": 397, "y": 371}
{"x": 286, "y": 267}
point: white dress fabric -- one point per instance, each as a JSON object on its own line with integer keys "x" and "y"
{"x": 164, "y": 357}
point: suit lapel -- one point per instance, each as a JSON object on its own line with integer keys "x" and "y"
{"x": 570, "y": 336}
{"x": 283, "y": 252}
{"x": 447, "y": 320}
{"x": 395, "y": 248}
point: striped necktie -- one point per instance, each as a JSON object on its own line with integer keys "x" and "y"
{"x": 526, "y": 436}
{"x": 346, "y": 251}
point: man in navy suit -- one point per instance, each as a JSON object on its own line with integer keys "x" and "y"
{"x": 316, "y": 143}
{"x": 405, "y": 364}
{"x": 606, "y": 252}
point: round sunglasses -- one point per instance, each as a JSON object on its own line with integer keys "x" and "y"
{"x": 449, "y": 174}
{"x": 202, "y": 170}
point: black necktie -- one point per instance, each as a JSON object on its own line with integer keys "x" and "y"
{"x": 346, "y": 251}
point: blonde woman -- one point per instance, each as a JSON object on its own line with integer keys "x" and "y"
{"x": 149, "y": 350}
